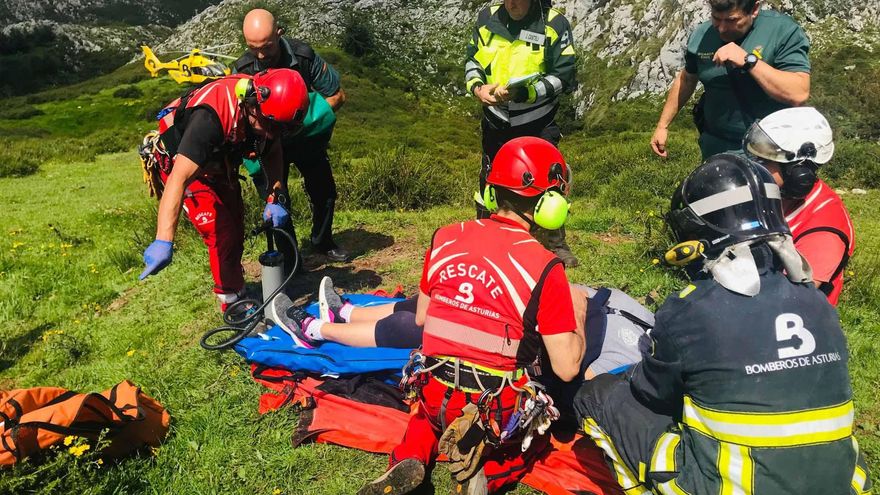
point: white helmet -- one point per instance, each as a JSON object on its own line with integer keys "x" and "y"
{"x": 791, "y": 135}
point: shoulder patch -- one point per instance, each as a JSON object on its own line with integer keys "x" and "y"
{"x": 687, "y": 291}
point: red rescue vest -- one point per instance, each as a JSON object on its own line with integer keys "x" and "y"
{"x": 823, "y": 211}
{"x": 218, "y": 95}
{"x": 484, "y": 279}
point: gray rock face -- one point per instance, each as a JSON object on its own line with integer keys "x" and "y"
{"x": 427, "y": 38}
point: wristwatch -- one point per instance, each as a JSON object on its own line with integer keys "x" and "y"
{"x": 751, "y": 61}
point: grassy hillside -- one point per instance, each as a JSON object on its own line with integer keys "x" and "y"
{"x": 73, "y": 314}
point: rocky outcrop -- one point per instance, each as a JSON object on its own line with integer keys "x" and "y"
{"x": 426, "y": 39}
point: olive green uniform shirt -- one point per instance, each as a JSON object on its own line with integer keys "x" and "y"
{"x": 778, "y": 40}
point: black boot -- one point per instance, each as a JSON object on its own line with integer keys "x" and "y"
{"x": 322, "y": 232}
{"x": 554, "y": 240}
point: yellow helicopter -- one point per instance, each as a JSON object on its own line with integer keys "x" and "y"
{"x": 195, "y": 67}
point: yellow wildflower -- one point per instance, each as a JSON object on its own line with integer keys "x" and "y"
{"x": 100, "y": 462}
{"x": 655, "y": 261}
{"x": 17, "y": 244}
{"x": 69, "y": 439}
{"x": 276, "y": 491}
{"x": 130, "y": 353}
{"x": 79, "y": 450}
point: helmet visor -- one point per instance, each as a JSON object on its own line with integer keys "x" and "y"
{"x": 759, "y": 144}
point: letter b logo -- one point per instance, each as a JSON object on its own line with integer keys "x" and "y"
{"x": 789, "y": 326}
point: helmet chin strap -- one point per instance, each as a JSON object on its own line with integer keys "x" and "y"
{"x": 532, "y": 225}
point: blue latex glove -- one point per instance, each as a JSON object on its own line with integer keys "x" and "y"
{"x": 157, "y": 256}
{"x": 276, "y": 213}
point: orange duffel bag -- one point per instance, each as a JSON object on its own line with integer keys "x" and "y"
{"x": 34, "y": 419}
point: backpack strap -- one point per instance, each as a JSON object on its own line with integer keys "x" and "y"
{"x": 827, "y": 287}
{"x": 596, "y": 325}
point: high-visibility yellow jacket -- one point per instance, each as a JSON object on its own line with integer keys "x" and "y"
{"x": 501, "y": 50}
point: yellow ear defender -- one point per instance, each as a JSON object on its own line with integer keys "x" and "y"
{"x": 244, "y": 88}
{"x": 551, "y": 210}
{"x": 684, "y": 253}
{"x": 489, "y": 200}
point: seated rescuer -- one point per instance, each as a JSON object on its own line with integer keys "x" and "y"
{"x": 490, "y": 295}
{"x": 792, "y": 144}
{"x": 746, "y": 389}
{"x": 306, "y": 148}
{"x": 194, "y": 161}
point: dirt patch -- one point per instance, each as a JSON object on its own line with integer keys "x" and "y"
{"x": 122, "y": 300}
{"x": 362, "y": 274}
{"x": 613, "y": 238}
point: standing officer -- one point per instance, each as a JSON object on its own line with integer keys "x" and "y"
{"x": 307, "y": 149}
{"x": 746, "y": 390}
{"x": 792, "y": 144}
{"x": 519, "y": 60}
{"x": 751, "y": 62}
{"x": 197, "y": 153}
{"x": 489, "y": 298}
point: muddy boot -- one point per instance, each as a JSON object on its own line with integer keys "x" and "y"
{"x": 554, "y": 240}
{"x": 402, "y": 478}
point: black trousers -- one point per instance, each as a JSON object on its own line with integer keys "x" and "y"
{"x": 309, "y": 155}
{"x": 609, "y": 413}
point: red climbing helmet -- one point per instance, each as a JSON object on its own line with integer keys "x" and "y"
{"x": 281, "y": 95}
{"x": 529, "y": 166}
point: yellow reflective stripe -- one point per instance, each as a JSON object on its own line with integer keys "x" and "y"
{"x": 663, "y": 458}
{"x": 569, "y": 50}
{"x": 772, "y": 429}
{"x": 736, "y": 468}
{"x": 551, "y": 14}
{"x": 470, "y": 84}
{"x": 550, "y": 33}
{"x": 625, "y": 478}
{"x": 860, "y": 477}
{"x": 686, "y": 291}
{"x": 670, "y": 488}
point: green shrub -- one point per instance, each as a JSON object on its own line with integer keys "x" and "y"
{"x": 19, "y": 112}
{"x": 855, "y": 164}
{"x": 358, "y": 35}
{"x": 396, "y": 179}
{"x": 128, "y": 92}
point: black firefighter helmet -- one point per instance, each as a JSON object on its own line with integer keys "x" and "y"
{"x": 725, "y": 201}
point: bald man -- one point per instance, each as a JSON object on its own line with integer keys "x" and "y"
{"x": 307, "y": 150}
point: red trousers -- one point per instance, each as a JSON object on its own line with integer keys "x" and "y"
{"x": 502, "y": 465}
{"x": 214, "y": 206}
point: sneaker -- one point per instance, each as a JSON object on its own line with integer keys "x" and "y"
{"x": 291, "y": 319}
{"x": 337, "y": 255}
{"x": 402, "y": 478}
{"x": 329, "y": 302}
{"x": 477, "y": 484}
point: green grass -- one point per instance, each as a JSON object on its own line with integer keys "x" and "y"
{"x": 73, "y": 314}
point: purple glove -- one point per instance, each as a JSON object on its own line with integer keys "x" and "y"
{"x": 276, "y": 213}
{"x": 157, "y": 256}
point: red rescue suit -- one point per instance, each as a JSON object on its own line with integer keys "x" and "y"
{"x": 814, "y": 224}
{"x": 493, "y": 291}
{"x": 213, "y": 200}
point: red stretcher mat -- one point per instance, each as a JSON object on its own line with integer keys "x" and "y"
{"x": 572, "y": 466}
